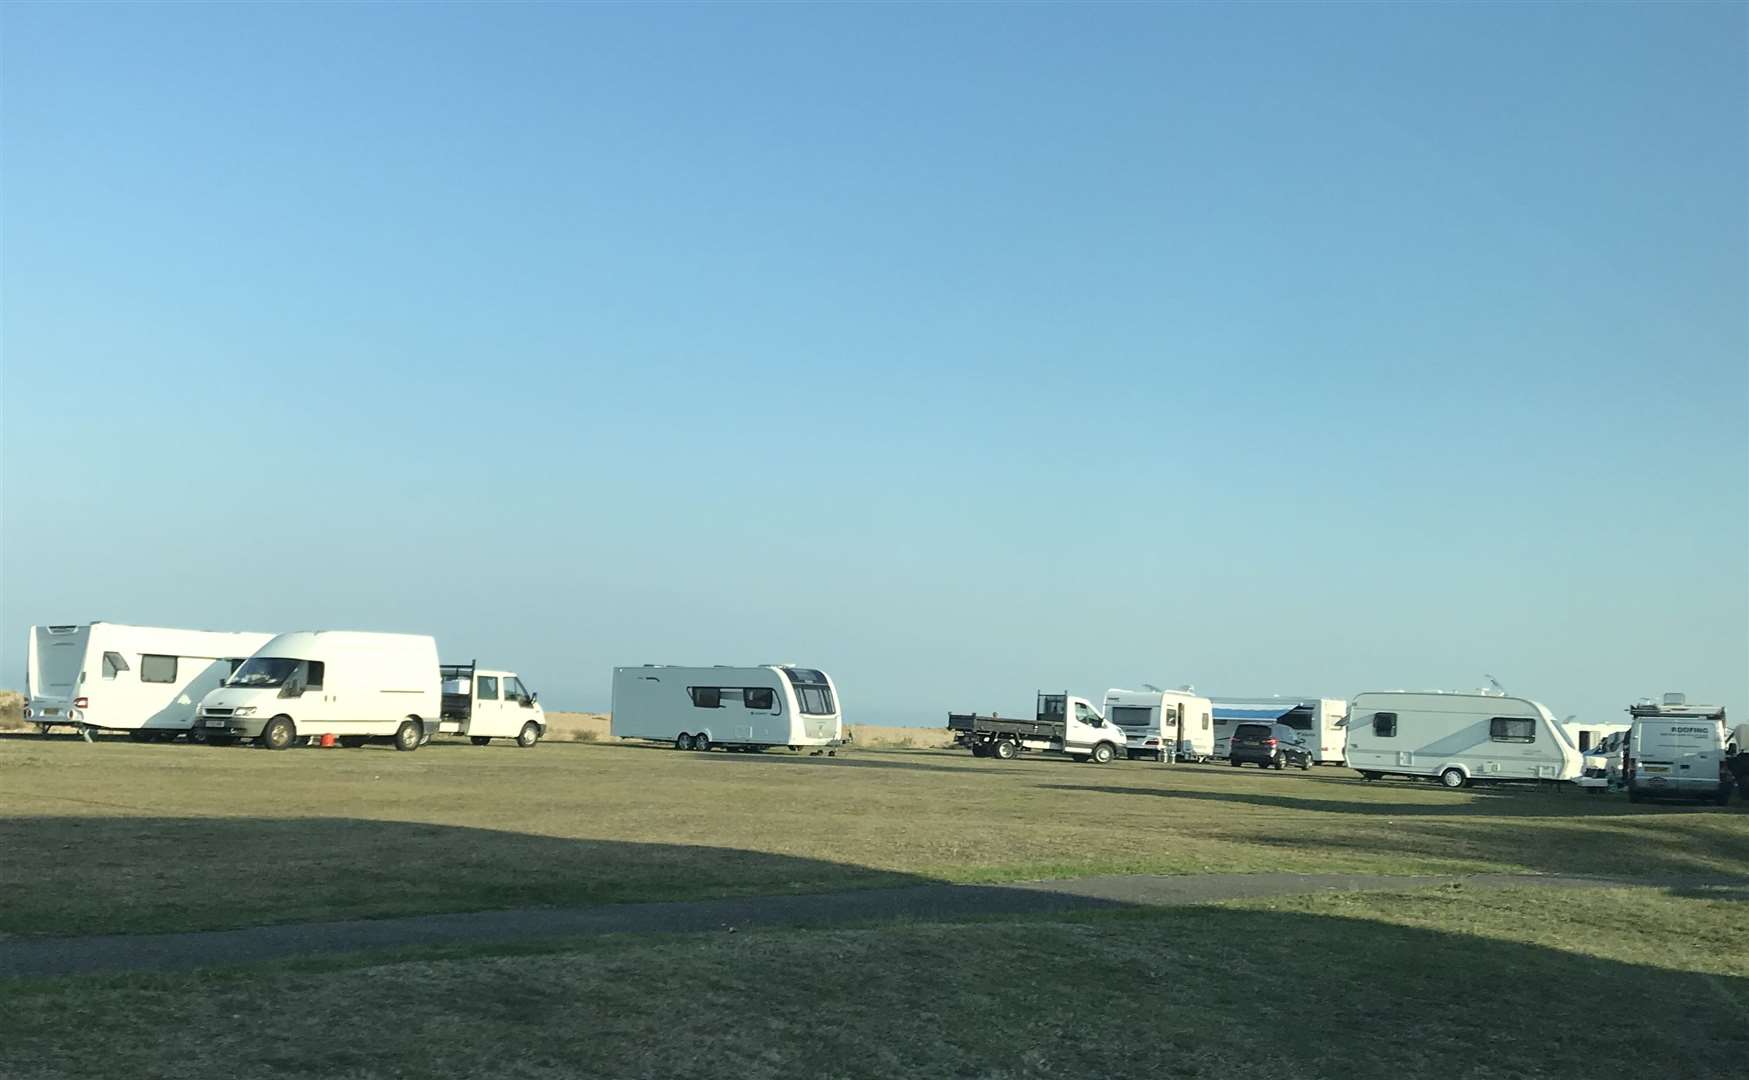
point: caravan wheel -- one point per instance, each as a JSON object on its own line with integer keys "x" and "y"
{"x": 1453, "y": 778}
{"x": 683, "y": 741}
{"x": 701, "y": 741}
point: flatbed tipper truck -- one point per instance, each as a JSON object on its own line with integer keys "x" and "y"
{"x": 1063, "y": 724}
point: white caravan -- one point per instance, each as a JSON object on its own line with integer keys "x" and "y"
{"x": 1590, "y": 736}
{"x": 696, "y": 708}
{"x": 1677, "y": 750}
{"x": 355, "y": 686}
{"x": 1319, "y": 721}
{"x": 1458, "y": 737}
{"x": 1175, "y": 719}
{"x": 146, "y": 680}
{"x": 485, "y": 705}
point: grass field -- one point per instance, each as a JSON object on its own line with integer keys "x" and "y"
{"x": 114, "y": 836}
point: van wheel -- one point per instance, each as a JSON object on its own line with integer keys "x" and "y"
{"x": 1006, "y": 750}
{"x": 701, "y": 741}
{"x": 1102, "y": 754}
{"x": 479, "y": 740}
{"x": 409, "y": 735}
{"x": 1306, "y": 765}
{"x": 279, "y": 733}
{"x": 1453, "y": 778}
{"x": 529, "y": 735}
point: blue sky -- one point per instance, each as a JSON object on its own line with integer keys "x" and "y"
{"x": 958, "y": 350}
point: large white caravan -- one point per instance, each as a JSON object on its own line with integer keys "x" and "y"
{"x": 1589, "y": 735}
{"x": 1175, "y": 719}
{"x": 1320, "y": 722}
{"x": 696, "y": 708}
{"x": 147, "y": 680}
{"x": 1458, "y": 737}
{"x": 355, "y": 686}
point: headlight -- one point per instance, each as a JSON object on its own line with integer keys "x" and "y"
{"x": 245, "y": 710}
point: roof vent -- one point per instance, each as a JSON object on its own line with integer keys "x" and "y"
{"x": 1676, "y": 699}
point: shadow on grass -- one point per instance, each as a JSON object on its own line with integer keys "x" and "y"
{"x": 98, "y": 875}
{"x": 1502, "y": 801}
{"x": 1143, "y": 994}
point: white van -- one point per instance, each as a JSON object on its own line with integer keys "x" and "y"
{"x": 145, "y": 680}
{"x": 696, "y": 708}
{"x": 1176, "y": 719}
{"x": 1320, "y": 722}
{"x": 1677, "y": 750}
{"x": 355, "y": 686}
{"x": 1458, "y": 737}
{"x": 485, "y": 705}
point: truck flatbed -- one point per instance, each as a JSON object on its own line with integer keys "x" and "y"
{"x": 1004, "y": 725}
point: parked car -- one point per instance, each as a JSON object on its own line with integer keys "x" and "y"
{"x": 1268, "y": 746}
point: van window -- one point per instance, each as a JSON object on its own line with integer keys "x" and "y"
{"x": 235, "y": 662}
{"x": 1384, "y": 725}
{"x": 313, "y": 672}
{"x": 486, "y": 688}
{"x": 762, "y": 698}
{"x": 514, "y": 690}
{"x": 706, "y": 697}
{"x": 112, "y": 663}
{"x": 1512, "y": 729}
{"x": 160, "y": 669}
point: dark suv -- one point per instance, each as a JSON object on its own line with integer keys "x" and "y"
{"x": 1268, "y": 746}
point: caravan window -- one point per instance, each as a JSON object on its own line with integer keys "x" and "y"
{"x": 1171, "y": 716}
{"x": 706, "y": 697}
{"x": 160, "y": 669}
{"x": 1384, "y": 725}
{"x": 762, "y": 698}
{"x": 112, "y": 663}
{"x": 811, "y": 690}
{"x": 1205, "y": 721}
{"x": 1512, "y": 729}
{"x": 1130, "y": 715}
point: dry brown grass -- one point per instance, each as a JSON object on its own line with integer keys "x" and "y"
{"x": 11, "y": 711}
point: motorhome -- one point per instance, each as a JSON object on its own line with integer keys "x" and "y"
{"x": 1320, "y": 722}
{"x": 1176, "y": 720}
{"x": 485, "y": 705}
{"x": 1062, "y": 724}
{"x": 145, "y": 680}
{"x": 1677, "y": 750}
{"x": 745, "y": 708}
{"x": 355, "y": 686}
{"x": 1460, "y": 738}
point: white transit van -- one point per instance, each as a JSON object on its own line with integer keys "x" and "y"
{"x": 1677, "y": 750}
{"x": 1175, "y": 719}
{"x": 355, "y": 686}
{"x": 1061, "y": 724}
{"x": 1319, "y": 721}
{"x": 1458, "y": 737}
{"x": 145, "y": 680}
{"x": 485, "y": 705}
{"x": 751, "y": 708}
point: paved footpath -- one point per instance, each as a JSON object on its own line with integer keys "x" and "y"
{"x": 32, "y": 956}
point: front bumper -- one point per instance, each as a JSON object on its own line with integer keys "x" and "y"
{"x": 238, "y": 727}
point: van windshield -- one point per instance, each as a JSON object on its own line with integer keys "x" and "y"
{"x": 264, "y": 671}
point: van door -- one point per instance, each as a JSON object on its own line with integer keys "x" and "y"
{"x": 488, "y": 713}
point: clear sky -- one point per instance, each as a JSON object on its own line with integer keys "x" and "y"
{"x": 957, "y": 350}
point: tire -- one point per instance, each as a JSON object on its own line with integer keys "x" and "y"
{"x": 701, "y": 741}
{"x": 480, "y": 740}
{"x": 142, "y": 736}
{"x": 1369, "y": 777}
{"x": 1234, "y": 762}
{"x": 353, "y": 742}
{"x": 1306, "y": 765}
{"x": 1006, "y": 750}
{"x": 1102, "y": 754}
{"x": 683, "y": 741}
{"x": 529, "y": 735}
{"x": 1453, "y": 779}
{"x": 409, "y": 735}
{"x": 980, "y": 750}
{"x": 279, "y": 734}
{"x": 1278, "y": 761}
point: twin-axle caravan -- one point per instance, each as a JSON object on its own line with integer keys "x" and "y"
{"x": 145, "y": 680}
{"x": 745, "y": 708}
{"x": 1460, "y": 738}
